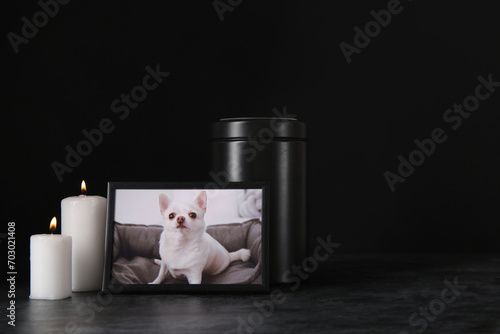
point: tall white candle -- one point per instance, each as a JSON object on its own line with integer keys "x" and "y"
{"x": 84, "y": 218}
{"x": 50, "y": 266}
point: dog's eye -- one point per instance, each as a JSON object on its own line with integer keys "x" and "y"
{"x": 192, "y": 215}
{"x": 171, "y": 216}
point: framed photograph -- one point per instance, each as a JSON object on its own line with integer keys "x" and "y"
{"x": 186, "y": 237}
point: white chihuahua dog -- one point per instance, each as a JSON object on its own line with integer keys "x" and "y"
{"x": 186, "y": 250}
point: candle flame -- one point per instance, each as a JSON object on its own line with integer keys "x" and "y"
{"x": 53, "y": 224}
{"x": 84, "y": 187}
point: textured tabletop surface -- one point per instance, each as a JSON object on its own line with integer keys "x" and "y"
{"x": 346, "y": 294}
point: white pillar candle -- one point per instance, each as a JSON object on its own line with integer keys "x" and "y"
{"x": 84, "y": 219}
{"x": 50, "y": 266}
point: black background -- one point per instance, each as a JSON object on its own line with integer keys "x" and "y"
{"x": 361, "y": 116}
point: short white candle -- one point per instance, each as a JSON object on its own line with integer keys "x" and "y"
{"x": 84, "y": 218}
{"x": 50, "y": 266}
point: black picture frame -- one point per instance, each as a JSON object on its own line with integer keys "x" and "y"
{"x": 114, "y": 281}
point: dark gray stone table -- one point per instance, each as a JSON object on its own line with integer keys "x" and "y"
{"x": 347, "y": 294}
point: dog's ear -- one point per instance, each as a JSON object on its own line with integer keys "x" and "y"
{"x": 164, "y": 203}
{"x": 201, "y": 200}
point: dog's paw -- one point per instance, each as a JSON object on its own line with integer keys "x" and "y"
{"x": 241, "y": 255}
{"x": 158, "y": 262}
{"x": 245, "y": 254}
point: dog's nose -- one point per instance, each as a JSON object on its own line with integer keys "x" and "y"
{"x": 181, "y": 219}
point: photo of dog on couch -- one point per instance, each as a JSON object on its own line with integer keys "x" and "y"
{"x": 164, "y": 237}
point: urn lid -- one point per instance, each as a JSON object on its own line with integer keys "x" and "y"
{"x": 244, "y": 128}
